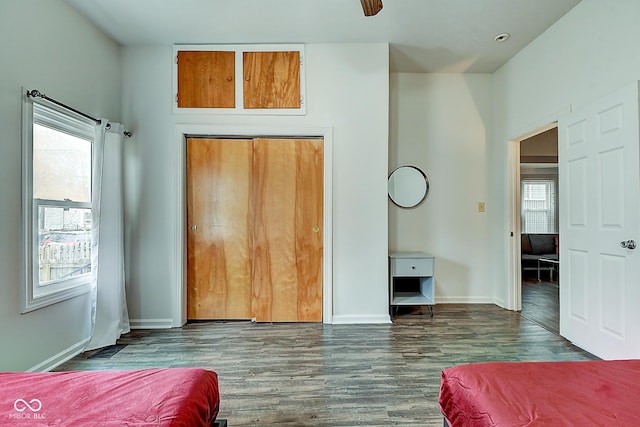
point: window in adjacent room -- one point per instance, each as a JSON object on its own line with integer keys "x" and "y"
{"x": 57, "y": 165}
{"x": 539, "y": 206}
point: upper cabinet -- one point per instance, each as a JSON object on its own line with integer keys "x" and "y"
{"x": 206, "y": 79}
{"x": 244, "y": 79}
{"x": 271, "y": 79}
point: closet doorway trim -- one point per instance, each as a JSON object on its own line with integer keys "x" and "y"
{"x": 181, "y": 133}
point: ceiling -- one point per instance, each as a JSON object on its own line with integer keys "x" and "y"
{"x": 426, "y": 36}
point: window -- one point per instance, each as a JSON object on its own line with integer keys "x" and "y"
{"x": 57, "y": 167}
{"x": 539, "y": 206}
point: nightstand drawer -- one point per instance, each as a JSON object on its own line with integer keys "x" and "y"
{"x": 418, "y": 267}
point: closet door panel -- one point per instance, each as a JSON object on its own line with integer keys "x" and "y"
{"x": 274, "y": 268}
{"x": 309, "y": 220}
{"x": 220, "y": 224}
{"x": 287, "y": 269}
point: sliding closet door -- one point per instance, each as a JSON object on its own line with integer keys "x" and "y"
{"x": 254, "y": 212}
{"x": 288, "y": 195}
{"x": 220, "y": 228}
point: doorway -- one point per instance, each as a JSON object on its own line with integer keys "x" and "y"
{"x": 515, "y": 296}
{"x": 598, "y": 175}
{"x": 539, "y": 261}
{"x": 184, "y": 131}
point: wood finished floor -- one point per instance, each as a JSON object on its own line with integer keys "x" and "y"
{"x": 541, "y": 303}
{"x": 339, "y": 375}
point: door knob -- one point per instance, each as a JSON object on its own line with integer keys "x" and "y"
{"x": 194, "y": 227}
{"x": 629, "y": 244}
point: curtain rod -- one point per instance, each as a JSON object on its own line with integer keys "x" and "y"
{"x": 37, "y": 94}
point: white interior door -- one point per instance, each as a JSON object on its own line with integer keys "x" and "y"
{"x": 600, "y": 208}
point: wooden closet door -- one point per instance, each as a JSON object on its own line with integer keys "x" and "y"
{"x": 220, "y": 227}
{"x": 287, "y": 238}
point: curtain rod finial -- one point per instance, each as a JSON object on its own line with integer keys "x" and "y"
{"x": 35, "y": 93}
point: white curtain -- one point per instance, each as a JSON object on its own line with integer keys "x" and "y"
{"x": 109, "y": 314}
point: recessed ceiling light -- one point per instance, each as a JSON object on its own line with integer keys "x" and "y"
{"x": 502, "y": 37}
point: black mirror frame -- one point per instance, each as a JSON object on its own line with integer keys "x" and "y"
{"x": 426, "y": 191}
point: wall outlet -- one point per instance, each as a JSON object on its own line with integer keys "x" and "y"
{"x": 480, "y": 206}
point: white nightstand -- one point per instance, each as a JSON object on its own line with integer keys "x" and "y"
{"x": 412, "y": 264}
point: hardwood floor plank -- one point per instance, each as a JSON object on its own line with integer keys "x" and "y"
{"x": 339, "y": 375}
{"x": 541, "y": 303}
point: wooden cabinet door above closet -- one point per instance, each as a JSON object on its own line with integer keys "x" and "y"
{"x": 206, "y": 79}
{"x": 242, "y": 79}
{"x": 271, "y": 79}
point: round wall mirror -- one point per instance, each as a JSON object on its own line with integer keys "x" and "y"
{"x": 408, "y": 186}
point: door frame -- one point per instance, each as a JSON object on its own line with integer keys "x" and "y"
{"x": 181, "y": 133}
{"x": 514, "y": 298}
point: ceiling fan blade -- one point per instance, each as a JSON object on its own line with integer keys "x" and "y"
{"x": 371, "y": 7}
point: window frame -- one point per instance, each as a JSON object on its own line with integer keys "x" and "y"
{"x": 33, "y": 296}
{"x": 551, "y": 206}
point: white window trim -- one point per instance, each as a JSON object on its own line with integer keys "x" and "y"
{"x": 32, "y": 296}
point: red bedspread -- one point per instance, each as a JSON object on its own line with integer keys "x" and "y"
{"x": 147, "y": 397}
{"x": 590, "y": 393}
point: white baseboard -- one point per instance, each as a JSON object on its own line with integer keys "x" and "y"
{"x": 500, "y": 303}
{"x": 60, "y": 358}
{"x": 151, "y": 323}
{"x": 354, "y": 319}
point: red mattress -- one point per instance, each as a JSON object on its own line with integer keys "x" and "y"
{"x": 147, "y": 397}
{"x": 590, "y": 393}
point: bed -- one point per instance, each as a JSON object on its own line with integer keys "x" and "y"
{"x": 144, "y": 397}
{"x": 588, "y": 393}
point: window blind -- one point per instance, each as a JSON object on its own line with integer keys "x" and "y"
{"x": 539, "y": 206}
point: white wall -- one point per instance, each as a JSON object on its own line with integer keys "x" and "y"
{"x": 45, "y": 46}
{"x": 440, "y": 123}
{"x": 590, "y": 52}
{"x": 347, "y": 90}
